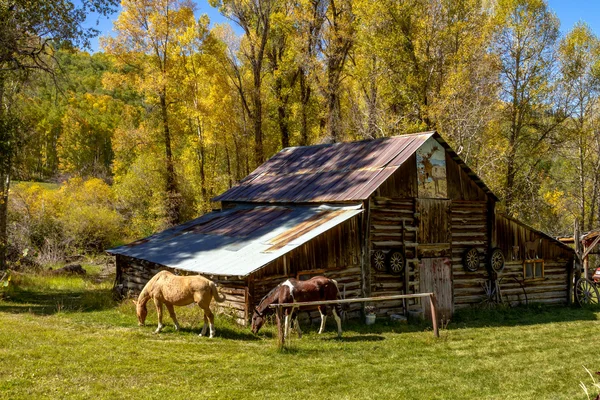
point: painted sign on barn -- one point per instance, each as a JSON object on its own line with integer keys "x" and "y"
{"x": 431, "y": 170}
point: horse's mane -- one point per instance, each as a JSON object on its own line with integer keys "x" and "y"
{"x": 266, "y": 296}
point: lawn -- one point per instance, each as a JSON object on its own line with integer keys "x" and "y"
{"x": 66, "y": 338}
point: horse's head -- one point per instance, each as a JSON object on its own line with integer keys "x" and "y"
{"x": 258, "y": 319}
{"x": 141, "y": 311}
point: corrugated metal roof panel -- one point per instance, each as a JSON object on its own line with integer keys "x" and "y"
{"x": 321, "y": 173}
{"x": 238, "y": 241}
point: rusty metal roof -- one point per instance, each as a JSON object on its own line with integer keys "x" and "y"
{"x": 238, "y": 241}
{"x": 337, "y": 172}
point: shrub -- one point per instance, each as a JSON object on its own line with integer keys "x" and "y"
{"x": 80, "y": 216}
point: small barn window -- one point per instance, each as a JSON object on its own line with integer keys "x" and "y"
{"x": 533, "y": 269}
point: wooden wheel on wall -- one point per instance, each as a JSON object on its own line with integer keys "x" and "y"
{"x": 586, "y": 292}
{"x": 496, "y": 260}
{"x": 471, "y": 259}
{"x": 378, "y": 260}
{"x": 395, "y": 262}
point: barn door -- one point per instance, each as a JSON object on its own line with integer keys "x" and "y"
{"x": 436, "y": 277}
{"x": 434, "y": 225}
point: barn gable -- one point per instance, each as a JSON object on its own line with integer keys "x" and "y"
{"x": 339, "y": 172}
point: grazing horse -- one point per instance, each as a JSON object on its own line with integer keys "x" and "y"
{"x": 318, "y": 288}
{"x": 172, "y": 290}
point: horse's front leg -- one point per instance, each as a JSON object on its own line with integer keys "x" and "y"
{"x": 159, "y": 311}
{"x": 172, "y": 314}
{"x": 288, "y": 323}
{"x": 338, "y": 320}
{"x": 323, "y": 318}
{"x": 297, "y": 320}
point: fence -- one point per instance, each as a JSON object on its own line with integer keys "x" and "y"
{"x": 279, "y": 308}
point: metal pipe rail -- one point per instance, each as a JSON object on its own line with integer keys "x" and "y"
{"x": 280, "y": 307}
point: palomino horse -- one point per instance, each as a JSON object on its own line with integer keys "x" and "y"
{"x": 172, "y": 290}
{"x": 318, "y": 288}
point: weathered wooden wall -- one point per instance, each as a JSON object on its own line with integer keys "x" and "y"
{"x": 460, "y": 185}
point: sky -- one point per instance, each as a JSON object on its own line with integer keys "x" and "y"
{"x": 568, "y": 11}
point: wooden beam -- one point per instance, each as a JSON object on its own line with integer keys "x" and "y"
{"x": 590, "y": 248}
{"x": 345, "y": 301}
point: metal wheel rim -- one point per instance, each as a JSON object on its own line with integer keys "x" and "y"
{"x": 379, "y": 260}
{"x": 586, "y": 292}
{"x": 472, "y": 260}
{"x": 497, "y": 260}
{"x": 396, "y": 262}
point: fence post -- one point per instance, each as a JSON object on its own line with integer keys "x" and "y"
{"x": 280, "y": 332}
{"x": 434, "y": 320}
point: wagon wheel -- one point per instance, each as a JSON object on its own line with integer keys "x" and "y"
{"x": 496, "y": 260}
{"x": 471, "y": 259}
{"x": 378, "y": 260}
{"x": 395, "y": 262}
{"x": 586, "y": 292}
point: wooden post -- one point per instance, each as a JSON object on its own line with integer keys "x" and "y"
{"x": 434, "y": 320}
{"x": 280, "y": 332}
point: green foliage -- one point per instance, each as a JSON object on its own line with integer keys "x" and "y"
{"x": 79, "y": 216}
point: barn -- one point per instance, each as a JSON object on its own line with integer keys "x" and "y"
{"x": 388, "y": 216}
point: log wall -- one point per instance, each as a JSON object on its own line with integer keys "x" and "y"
{"x": 393, "y": 226}
{"x": 469, "y": 229}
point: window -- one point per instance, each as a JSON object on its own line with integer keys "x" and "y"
{"x": 533, "y": 269}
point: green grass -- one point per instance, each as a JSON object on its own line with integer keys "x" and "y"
{"x": 66, "y": 338}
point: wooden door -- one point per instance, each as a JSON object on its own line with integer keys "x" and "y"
{"x": 435, "y": 235}
{"x": 436, "y": 277}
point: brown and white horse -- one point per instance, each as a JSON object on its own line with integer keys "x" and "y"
{"x": 318, "y": 288}
{"x": 172, "y": 290}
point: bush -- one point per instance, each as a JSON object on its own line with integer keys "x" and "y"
{"x": 51, "y": 224}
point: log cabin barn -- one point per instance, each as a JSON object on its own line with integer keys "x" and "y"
{"x": 388, "y": 216}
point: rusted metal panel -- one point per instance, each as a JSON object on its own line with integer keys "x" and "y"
{"x": 322, "y": 173}
{"x": 238, "y": 241}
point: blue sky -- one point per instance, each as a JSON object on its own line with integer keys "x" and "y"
{"x": 568, "y": 11}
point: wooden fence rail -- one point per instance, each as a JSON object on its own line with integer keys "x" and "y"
{"x": 280, "y": 308}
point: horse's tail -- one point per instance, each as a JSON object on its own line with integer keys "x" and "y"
{"x": 215, "y": 292}
{"x": 338, "y": 306}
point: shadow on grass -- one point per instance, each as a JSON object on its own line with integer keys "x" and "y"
{"x": 522, "y": 315}
{"x": 357, "y": 338}
{"x": 19, "y": 301}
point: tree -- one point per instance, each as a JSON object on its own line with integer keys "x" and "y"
{"x": 28, "y": 32}
{"x": 145, "y": 47}
{"x": 525, "y": 44}
{"x": 336, "y": 42}
{"x": 579, "y": 62}
{"x": 254, "y": 17}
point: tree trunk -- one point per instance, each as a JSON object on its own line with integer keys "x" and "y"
{"x": 305, "y": 93}
{"x": 4, "y": 187}
{"x": 259, "y": 156}
{"x": 173, "y": 201}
